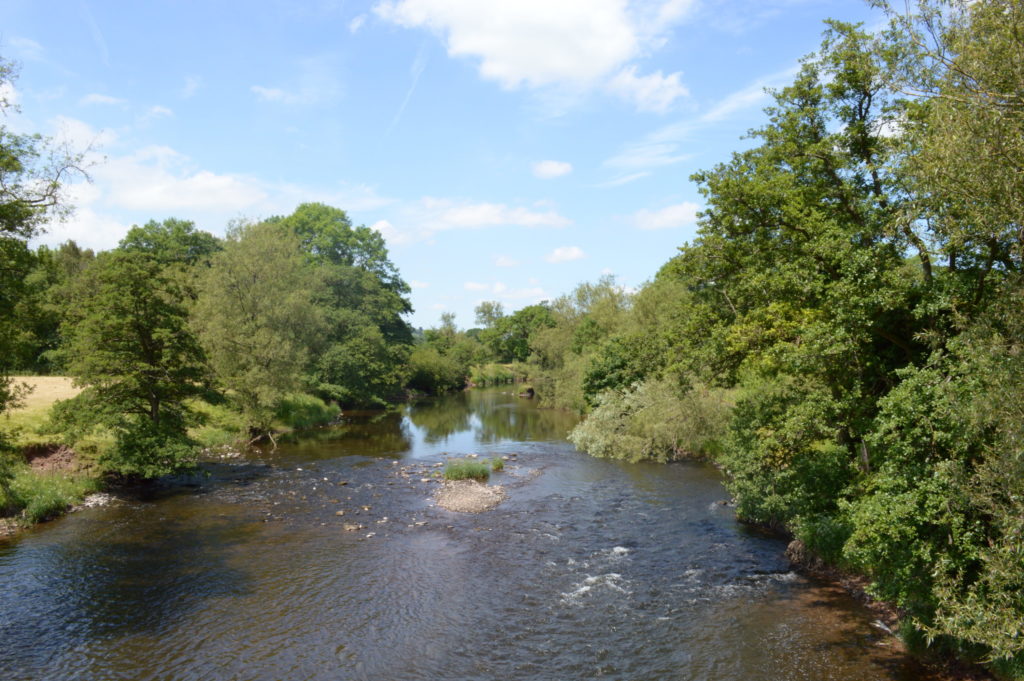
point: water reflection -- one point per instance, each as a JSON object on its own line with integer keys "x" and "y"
{"x": 491, "y": 416}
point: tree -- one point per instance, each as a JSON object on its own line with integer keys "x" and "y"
{"x": 366, "y": 344}
{"x": 488, "y": 313}
{"x": 257, "y": 319}
{"x": 129, "y": 344}
{"x": 171, "y": 241}
{"x": 33, "y": 174}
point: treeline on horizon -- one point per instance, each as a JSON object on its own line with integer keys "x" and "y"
{"x": 843, "y": 337}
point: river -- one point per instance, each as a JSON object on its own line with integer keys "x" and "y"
{"x": 589, "y": 569}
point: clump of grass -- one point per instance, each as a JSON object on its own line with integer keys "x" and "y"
{"x": 467, "y": 469}
{"x": 298, "y": 411}
{"x": 43, "y": 496}
{"x": 497, "y": 464}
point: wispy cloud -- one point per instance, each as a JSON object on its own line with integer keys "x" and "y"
{"x": 419, "y": 64}
{"x": 505, "y": 261}
{"x": 421, "y": 220}
{"x": 565, "y": 254}
{"x": 547, "y": 170}
{"x": 97, "y": 34}
{"x": 96, "y": 98}
{"x": 662, "y": 147}
{"x": 191, "y": 86}
{"x": 669, "y": 217}
{"x": 624, "y": 179}
{"x": 316, "y": 82}
{"x": 654, "y": 92}
{"x": 356, "y": 23}
{"x": 26, "y": 48}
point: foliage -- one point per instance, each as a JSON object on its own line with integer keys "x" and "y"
{"x": 467, "y": 469}
{"x": 33, "y": 177}
{"x": 655, "y": 420}
{"x": 364, "y": 348}
{"x": 434, "y": 373}
{"x": 491, "y": 374}
{"x": 297, "y": 411}
{"x": 42, "y": 496}
{"x": 497, "y": 464}
{"x": 171, "y": 241}
{"x": 128, "y": 342}
{"x": 257, "y": 320}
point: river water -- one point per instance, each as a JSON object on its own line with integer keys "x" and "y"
{"x": 589, "y": 569}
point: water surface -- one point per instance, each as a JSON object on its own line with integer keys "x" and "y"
{"x": 590, "y": 569}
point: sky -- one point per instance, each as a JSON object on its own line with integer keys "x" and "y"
{"x": 507, "y": 150}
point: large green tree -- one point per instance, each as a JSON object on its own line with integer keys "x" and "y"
{"x": 128, "y": 343}
{"x": 258, "y": 319}
{"x": 366, "y": 344}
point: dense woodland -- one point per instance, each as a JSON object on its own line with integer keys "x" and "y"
{"x": 843, "y": 337}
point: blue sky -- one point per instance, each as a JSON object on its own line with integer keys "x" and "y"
{"x": 506, "y": 149}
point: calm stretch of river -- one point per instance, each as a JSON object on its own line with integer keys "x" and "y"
{"x": 590, "y": 569}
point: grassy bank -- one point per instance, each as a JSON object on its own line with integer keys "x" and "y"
{"x": 45, "y": 474}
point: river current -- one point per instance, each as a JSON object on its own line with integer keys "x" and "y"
{"x": 327, "y": 560}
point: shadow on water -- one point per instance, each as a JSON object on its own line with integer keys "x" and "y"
{"x": 125, "y": 581}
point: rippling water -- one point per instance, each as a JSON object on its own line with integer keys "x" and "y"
{"x": 590, "y": 569}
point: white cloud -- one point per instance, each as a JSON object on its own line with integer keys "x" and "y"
{"x": 158, "y": 112}
{"x": 356, "y": 23}
{"x": 501, "y": 291}
{"x": 8, "y": 94}
{"x": 565, "y": 254}
{"x": 646, "y": 154}
{"x": 157, "y": 181}
{"x": 26, "y": 48}
{"x": 272, "y": 94}
{"x": 748, "y": 97}
{"x": 661, "y": 147}
{"x": 655, "y": 92}
{"x": 678, "y": 215}
{"x": 505, "y": 261}
{"x": 572, "y": 45}
{"x": 430, "y": 215}
{"x": 191, "y": 86}
{"x": 418, "y": 284}
{"x": 316, "y": 81}
{"x": 95, "y": 98}
{"x": 624, "y": 179}
{"x": 550, "y": 169}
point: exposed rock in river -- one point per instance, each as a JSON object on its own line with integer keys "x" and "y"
{"x": 468, "y": 496}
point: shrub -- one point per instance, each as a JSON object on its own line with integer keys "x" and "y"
{"x": 299, "y": 411}
{"x": 655, "y": 421}
{"x": 467, "y": 469}
{"x": 490, "y": 374}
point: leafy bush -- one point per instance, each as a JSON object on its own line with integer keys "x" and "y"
{"x": 655, "y": 420}
{"x": 467, "y": 469}
{"x": 781, "y": 453}
{"x": 299, "y": 411}
{"x": 148, "y": 450}
{"x": 490, "y": 374}
{"x": 434, "y": 373}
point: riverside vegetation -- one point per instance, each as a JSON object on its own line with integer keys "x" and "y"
{"x": 843, "y": 337}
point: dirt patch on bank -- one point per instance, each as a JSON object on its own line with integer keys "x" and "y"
{"x": 51, "y": 458}
{"x": 468, "y": 496}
